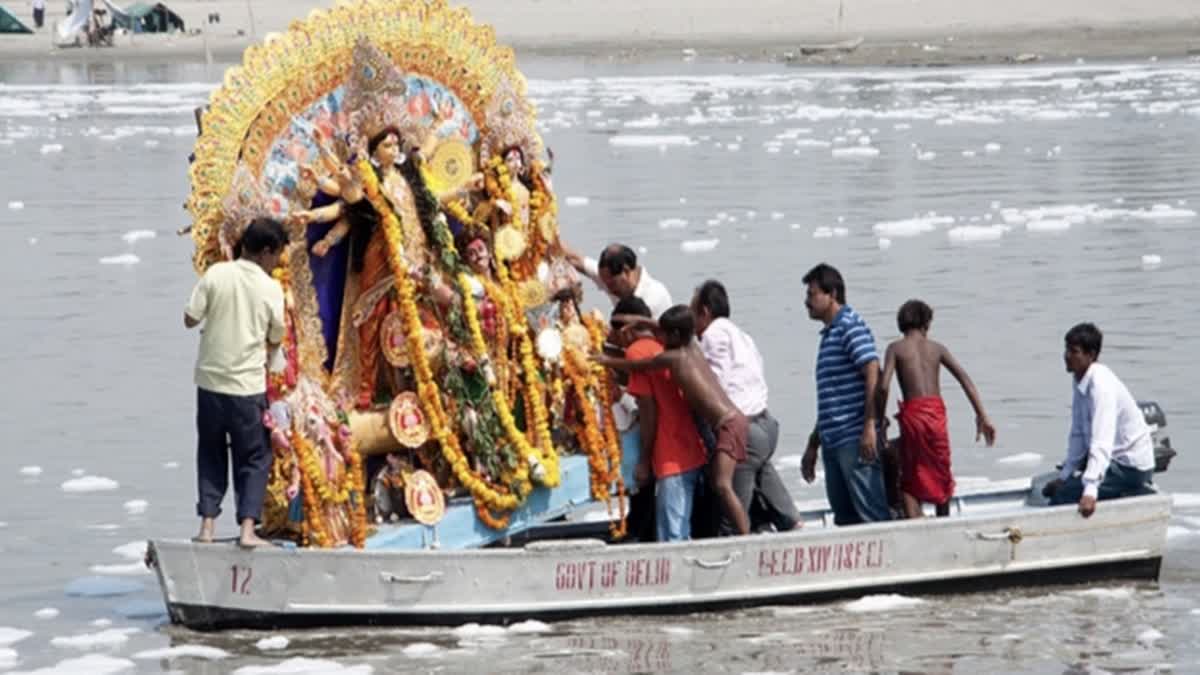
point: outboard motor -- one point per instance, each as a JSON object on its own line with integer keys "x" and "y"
{"x": 1157, "y": 419}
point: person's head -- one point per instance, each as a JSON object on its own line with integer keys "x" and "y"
{"x": 1083, "y": 344}
{"x": 678, "y": 326}
{"x": 263, "y": 242}
{"x": 619, "y": 270}
{"x": 384, "y": 147}
{"x": 631, "y": 305}
{"x": 475, "y": 246}
{"x": 826, "y": 292}
{"x": 307, "y": 184}
{"x": 709, "y": 303}
{"x": 914, "y": 315}
{"x": 514, "y": 159}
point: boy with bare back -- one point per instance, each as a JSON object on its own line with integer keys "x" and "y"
{"x": 924, "y": 441}
{"x": 690, "y": 370}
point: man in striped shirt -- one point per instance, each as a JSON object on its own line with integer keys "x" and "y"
{"x": 847, "y": 378}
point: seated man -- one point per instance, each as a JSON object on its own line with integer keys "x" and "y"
{"x": 1109, "y": 440}
{"x": 670, "y": 442}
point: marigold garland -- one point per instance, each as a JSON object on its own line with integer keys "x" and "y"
{"x": 358, "y": 510}
{"x": 314, "y": 532}
{"x": 590, "y": 437}
{"x": 612, "y": 439}
{"x": 427, "y": 389}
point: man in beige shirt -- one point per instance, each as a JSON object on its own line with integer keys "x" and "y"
{"x": 241, "y": 308}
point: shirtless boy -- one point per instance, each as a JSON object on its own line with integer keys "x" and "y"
{"x": 924, "y": 442}
{"x": 704, "y": 394}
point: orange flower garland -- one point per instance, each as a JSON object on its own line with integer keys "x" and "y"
{"x": 358, "y": 511}
{"x": 603, "y": 380}
{"x": 427, "y": 389}
{"x": 575, "y": 367}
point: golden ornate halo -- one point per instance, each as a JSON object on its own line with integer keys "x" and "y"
{"x": 509, "y": 243}
{"x": 407, "y": 422}
{"x": 391, "y": 335}
{"x": 532, "y": 293}
{"x": 424, "y": 498}
{"x": 450, "y": 167}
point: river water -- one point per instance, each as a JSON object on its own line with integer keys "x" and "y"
{"x": 1016, "y": 201}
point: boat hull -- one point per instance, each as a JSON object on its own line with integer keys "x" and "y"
{"x": 218, "y": 586}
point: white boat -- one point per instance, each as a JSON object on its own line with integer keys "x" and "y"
{"x": 1001, "y": 535}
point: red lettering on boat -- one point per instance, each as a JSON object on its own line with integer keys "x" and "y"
{"x": 821, "y": 558}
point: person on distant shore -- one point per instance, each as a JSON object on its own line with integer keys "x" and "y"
{"x": 1110, "y": 442}
{"x": 618, "y": 274}
{"x": 39, "y": 13}
{"x": 690, "y": 370}
{"x": 738, "y": 365}
{"x": 916, "y": 361}
{"x": 847, "y": 382}
{"x": 242, "y": 310}
{"x": 672, "y": 455}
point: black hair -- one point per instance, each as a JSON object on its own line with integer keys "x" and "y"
{"x": 262, "y": 235}
{"x": 711, "y": 295}
{"x": 678, "y": 322}
{"x": 617, "y": 258}
{"x": 630, "y": 305}
{"x": 362, "y": 216}
{"x": 914, "y": 315}
{"x": 829, "y": 280}
{"x": 1085, "y": 336}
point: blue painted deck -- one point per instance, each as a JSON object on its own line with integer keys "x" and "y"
{"x": 461, "y": 528}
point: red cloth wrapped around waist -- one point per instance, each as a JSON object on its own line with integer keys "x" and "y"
{"x": 925, "y": 450}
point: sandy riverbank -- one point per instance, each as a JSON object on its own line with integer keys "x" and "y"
{"x": 892, "y": 32}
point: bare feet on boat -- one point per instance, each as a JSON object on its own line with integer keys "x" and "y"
{"x": 206, "y": 531}
{"x": 252, "y": 541}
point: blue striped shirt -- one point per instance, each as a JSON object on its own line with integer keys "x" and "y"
{"x": 846, "y": 346}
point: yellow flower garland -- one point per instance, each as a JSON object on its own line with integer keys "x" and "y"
{"x": 427, "y": 389}
{"x": 575, "y": 366}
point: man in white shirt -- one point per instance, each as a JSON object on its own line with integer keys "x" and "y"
{"x": 738, "y": 365}
{"x": 241, "y": 307}
{"x": 619, "y": 275}
{"x": 1110, "y": 441}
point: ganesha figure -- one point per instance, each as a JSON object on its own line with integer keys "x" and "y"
{"x": 429, "y": 303}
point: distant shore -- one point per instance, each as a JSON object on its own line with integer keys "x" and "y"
{"x": 849, "y": 32}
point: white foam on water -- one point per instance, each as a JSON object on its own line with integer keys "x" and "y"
{"x": 305, "y": 666}
{"x": 672, "y": 223}
{"x": 150, "y": 143}
{"x": 92, "y": 664}
{"x": 642, "y": 250}
{"x": 812, "y": 143}
{"x": 1185, "y": 500}
{"x": 860, "y": 151}
{"x": 141, "y": 609}
{"x": 472, "y": 631}
{"x": 1011, "y": 637}
{"x": 134, "y": 550}
{"x": 823, "y": 232}
{"x": 51, "y": 148}
{"x": 699, "y": 245}
{"x": 273, "y": 643}
{"x": 120, "y": 570}
{"x": 882, "y": 603}
{"x": 102, "y": 587}
{"x": 123, "y": 259}
{"x": 133, "y": 236}
{"x": 90, "y": 484}
{"x": 104, "y": 527}
{"x": 422, "y": 650}
{"x": 884, "y": 243}
{"x": 105, "y": 639}
{"x": 136, "y": 507}
{"x": 911, "y": 227}
{"x": 926, "y": 156}
{"x": 968, "y": 153}
{"x": 1021, "y": 459}
{"x": 529, "y": 627}
{"x": 973, "y": 233}
{"x": 1149, "y": 636}
{"x": 77, "y": 472}
{"x": 31, "y": 471}
{"x": 902, "y": 126}
{"x": 16, "y": 205}
{"x": 1151, "y": 261}
{"x": 171, "y": 465}
{"x": 679, "y": 631}
{"x": 1164, "y": 212}
{"x": 1176, "y": 532}
{"x": 102, "y": 623}
{"x": 991, "y": 148}
{"x": 1048, "y": 225}
{"x": 1120, "y": 593}
{"x": 632, "y": 141}
{"x": 11, "y": 636}
{"x": 8, "y": 658}
{"x": 578, "y": 201}
{"x": 46, "y": 613}
{"x": 183, "y": 651}
{"x": 733, "y": 147}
